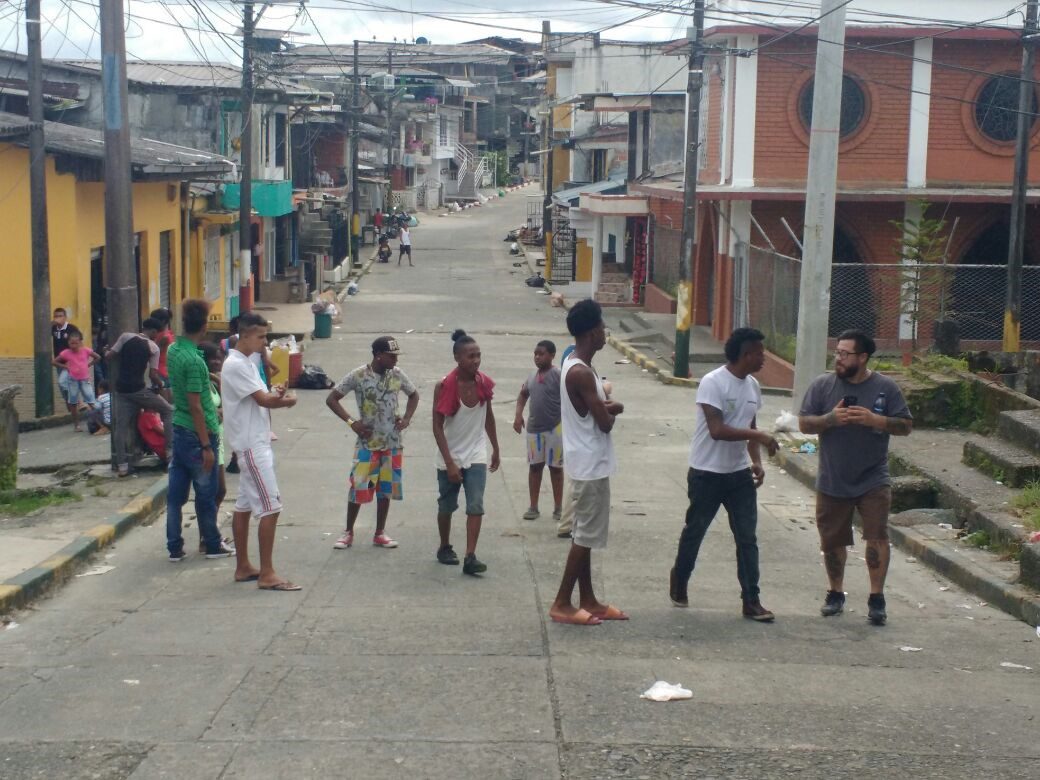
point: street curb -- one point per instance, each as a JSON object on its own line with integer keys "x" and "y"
{"x": 1017, "y": 601}
{"x": 19, "y": 590}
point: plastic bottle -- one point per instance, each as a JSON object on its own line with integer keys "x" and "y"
{"x": 880, "y": 407}
{"x": 292, "y": 344}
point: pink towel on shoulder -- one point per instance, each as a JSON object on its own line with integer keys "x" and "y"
{"x": 450, "y": 402}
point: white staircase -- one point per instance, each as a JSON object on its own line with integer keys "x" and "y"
{"x": 471, "y": 171}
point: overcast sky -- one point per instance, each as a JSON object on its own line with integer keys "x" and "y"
{"x": 204, "y": 29}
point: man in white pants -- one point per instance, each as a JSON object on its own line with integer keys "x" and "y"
{"x": 247, "y": 429}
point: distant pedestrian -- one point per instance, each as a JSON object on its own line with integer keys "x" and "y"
{"x": 247, "y": 425}
{"x": 406, "y": 245}
{"x": 99, "y": 420}
{"x": 379, "y": 450}
{"x": 196, "y": 437}
{"x": 78, "y": 361}
{"x": 385, "y": 252}
{"x": 544, "y": 431}
{"x": 726, "y": 468}
{"x": 164, "y": 338}
{"x": 854, "y": 410}
{"x": 588, "y": 419}
{"x": 463, "y": 426}
{"x": 136, "y": 387}
{"x": 60, "y": 330}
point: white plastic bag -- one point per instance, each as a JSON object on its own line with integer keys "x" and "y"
{"x": 786, "y": 422}
{"x": 666, "y": 691}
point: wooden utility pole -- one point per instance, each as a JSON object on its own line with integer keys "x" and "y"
{"x": 684, "y": 304}
{"x": 1016, "y": 239}
{"x": 245, "y": 204}
{"x": 355, "y": 137}
{"x": 41, "y": 263}
{"x": 814, "y": 298}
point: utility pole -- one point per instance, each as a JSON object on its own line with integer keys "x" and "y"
{"x": 1016, "y": 242}
{"x": 122, "y": 304}
{"x": 245, "y": 205}
{"x": 41, "y": 262}
{"x": 547, "y": 225}
{"x": 355, "y": 136}
{"x": 684, "y": 304}
{"x": 814, "y": 298}
{"x": 389, "y": 119}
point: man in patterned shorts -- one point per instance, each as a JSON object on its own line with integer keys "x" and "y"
{"x": 379, "y": 452}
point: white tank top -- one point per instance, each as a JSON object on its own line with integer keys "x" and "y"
{"x": 467, "y": 439}
{"x": 588, "y": 452}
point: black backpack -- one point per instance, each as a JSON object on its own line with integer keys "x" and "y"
{"x": 313, "y": 378}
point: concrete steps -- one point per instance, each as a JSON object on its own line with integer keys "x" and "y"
{"x": 1002, "y": 460}
{"x": 1021, "y": 428}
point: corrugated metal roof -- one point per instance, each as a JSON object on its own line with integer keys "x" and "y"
{"x": 570, "y": 196}
{"x": 146, "y": 155}
{"x": 195, "y": 75}
{"x": 407, "y": 52}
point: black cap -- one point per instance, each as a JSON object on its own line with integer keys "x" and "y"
{"x": 386, "y": 344}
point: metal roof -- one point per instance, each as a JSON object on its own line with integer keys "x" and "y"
{"x": 570, "y": 196}
{"x": 194, "y": 75}
{"x": 426, "y": 53}
{"x": 148, "y": 158}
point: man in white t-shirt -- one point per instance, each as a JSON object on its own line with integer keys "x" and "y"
{"x": 726, "y": 468}
{"x": 247, "y": 431}
{"x": 406, "y": 245}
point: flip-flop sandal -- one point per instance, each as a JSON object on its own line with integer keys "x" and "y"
{"x": 611, "y": 613}
{"x": 250, "y": 578}
{"x": 579, "y": 618}
{"x": 281, "y": 586}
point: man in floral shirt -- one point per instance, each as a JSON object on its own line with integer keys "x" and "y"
{"x": 379, "y": 452}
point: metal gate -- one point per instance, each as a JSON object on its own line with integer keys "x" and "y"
{"x": 563, "y": 249}
{"x": 165, "y": 268}
{"x": 640, "y": 241}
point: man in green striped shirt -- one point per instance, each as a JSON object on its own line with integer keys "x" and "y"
{"x": 195, "y": 437}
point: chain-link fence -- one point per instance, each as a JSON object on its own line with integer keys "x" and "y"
{"x": 664, "y": 259}
{"x": 889, "y": 300}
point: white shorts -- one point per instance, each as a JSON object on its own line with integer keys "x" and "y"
{"x": 257, "y": 487}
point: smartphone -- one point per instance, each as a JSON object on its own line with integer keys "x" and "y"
{"x": 850, "y": 401}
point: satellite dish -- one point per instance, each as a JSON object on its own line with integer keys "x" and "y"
{"x": 421, "y": 39}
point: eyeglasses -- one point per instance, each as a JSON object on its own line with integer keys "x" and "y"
{"x": 841, "y": 354}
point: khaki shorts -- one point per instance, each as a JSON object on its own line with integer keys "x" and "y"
{"x": 591, "y": 500}
{"x": 834, "y": 517}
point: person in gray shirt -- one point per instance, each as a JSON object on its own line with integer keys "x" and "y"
{"x": 854, "y": 410}
{"x": 544, "y": 432}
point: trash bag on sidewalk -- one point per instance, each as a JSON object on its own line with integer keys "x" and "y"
{"x": 536, "y": 281}
{"x": 313, "y": 378}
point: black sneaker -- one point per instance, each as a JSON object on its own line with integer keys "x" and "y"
{"x": 177, "y": 557}
{"x": 472, "y": 566}
{"x": 447, "y": 556}
{"x": 834, "y": 604}
{"x": 677, "y": 592}
{"x": 876, "y": 609}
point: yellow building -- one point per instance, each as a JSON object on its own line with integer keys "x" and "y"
{"x": 76, "y": 233}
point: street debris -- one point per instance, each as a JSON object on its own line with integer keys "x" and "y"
{"x": 944, "y": 587}
{"x": 1034, "y": 538}
{"x": 132, "y": 682}
{"x": 666, "y": 691}
{"x": 622, "y": 362}
{"x": 410, "y": 330}
{"x": 9, "y": 624}
{"x": 908, "y": 649}
{"x": 96, "y": 570}
{"x": 946, "y": 526}
{"x": 808, "y": 448}
{"x": 786, "y": 422}
{"x": 1009, "y": 665}
{"x": 911, "y": 560}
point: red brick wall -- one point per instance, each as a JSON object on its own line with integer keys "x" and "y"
{"x": 876, "y": 153}
{"x": 957, "y": 151}
{"x": 667, "y": 212}
{"x": 329, "y": 154}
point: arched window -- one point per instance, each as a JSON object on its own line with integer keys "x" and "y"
{"x": 852, "y": 299}
{"x": 853, "y": 105}
{"x": 996, "y": 108}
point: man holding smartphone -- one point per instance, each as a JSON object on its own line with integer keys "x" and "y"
{"x": 854, "y": 410}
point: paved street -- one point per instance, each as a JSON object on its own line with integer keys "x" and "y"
{"x": 389, "y": 665}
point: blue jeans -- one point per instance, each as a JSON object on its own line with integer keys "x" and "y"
{"x": 707, "y": 492}
{"x": 473, "y": 481}
{"x": 185, "y": 472}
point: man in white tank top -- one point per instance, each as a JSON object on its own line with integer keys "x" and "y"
{"x": 588, "y": 417}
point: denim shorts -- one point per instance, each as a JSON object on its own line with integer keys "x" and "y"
{"x": 473, "y": 480}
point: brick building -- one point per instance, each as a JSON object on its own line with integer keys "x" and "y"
{"x": 928, "y": 116}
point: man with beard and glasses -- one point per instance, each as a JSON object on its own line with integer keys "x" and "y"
{"x": 854, "y": 410}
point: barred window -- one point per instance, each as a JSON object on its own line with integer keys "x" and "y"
{"x": 853, "y": 105}
{"x": 996, "y": 108}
